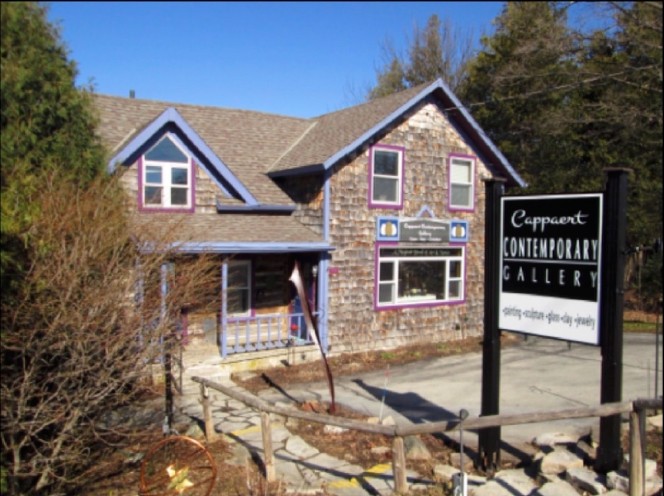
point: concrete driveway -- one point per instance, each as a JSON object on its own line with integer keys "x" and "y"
{"x": 538, "y": 374}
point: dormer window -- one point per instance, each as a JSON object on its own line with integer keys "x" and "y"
{"x": 386, "y": 177}
{"x": 167, "y": 177}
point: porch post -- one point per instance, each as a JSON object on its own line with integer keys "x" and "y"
{"x": 139, "y": 298}
{"x": 224, "y": 300}
{"x": 166, "y": 351}
{"x": 324, "y": 267}
{"x": 323, "y": 285}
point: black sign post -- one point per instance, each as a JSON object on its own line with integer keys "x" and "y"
{"x": 489, "y": 439}
{"x": 609, "y": 452}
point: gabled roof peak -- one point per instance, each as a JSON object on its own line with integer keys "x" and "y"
{"x": 249, "y": 144}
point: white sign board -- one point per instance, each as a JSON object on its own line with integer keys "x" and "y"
{"x": 550, "y": 266}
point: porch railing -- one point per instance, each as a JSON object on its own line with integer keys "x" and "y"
{"x": 263, "y": 332}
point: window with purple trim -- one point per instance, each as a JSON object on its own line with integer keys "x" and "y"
{"x": 386, "y": 176}
{"x": 418, "y": 276}
{"x": 167, "y": 176}
{"x": 462, "y": 184}
{"x": 239, "y": 288}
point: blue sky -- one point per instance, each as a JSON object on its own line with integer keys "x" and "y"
{"x": 300, "y": 59}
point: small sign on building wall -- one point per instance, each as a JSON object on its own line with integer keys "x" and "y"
{"x": 424, "y": 231}
{"x": 418, "y": 230}
{"x": 550, "y": 266}
{"x": 459, "y": 231}
{"x": 387, "y": 229}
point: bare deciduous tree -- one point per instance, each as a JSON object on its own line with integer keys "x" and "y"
{"x": 439, "y": 50}
{"x": 77, "y": 336}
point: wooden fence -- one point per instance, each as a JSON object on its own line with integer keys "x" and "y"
{"x": 636, "y": 409}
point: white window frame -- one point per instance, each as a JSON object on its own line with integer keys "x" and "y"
{"x": 455, "y": 255}
{"x": 467, "y": 185}
{"x": 399, "y": 152}
{"x": 166, "y": 183}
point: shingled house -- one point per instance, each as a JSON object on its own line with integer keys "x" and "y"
{"x": 382, "y": 205}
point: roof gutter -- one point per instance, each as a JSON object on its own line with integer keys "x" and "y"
{"x": 259, "y": 208}
{"x": 252, "y": 248}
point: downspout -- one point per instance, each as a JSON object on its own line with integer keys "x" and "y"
{"x": 324, "y": 265}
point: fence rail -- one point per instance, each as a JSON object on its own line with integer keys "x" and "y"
{"x": 636, "y": 409}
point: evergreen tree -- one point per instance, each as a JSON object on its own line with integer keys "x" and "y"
{"x": 633, "y": 108}
{"x": 437, "y": 51}
{"x": 46, "y": 124}
{"x": 563, "y": 105}
{"x": 391, "y": 80}
{"x": 517, "y": 89}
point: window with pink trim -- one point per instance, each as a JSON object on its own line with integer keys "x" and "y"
{"x": 386, "y": 177}
{"x": 462, "y": 183}
{"x": 419, "y": 276}
{"x": 167, "y": 177}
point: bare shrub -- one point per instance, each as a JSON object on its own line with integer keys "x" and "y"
{"x": 80, "y": 329}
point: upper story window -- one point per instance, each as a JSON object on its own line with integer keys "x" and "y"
{"x": 462, "y": 184}
{"x": 386, "y": 177}
{"x": 167, "y": 177}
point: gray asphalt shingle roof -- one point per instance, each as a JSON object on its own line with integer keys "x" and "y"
{"x": 254, "y": 144}
{"x": 247, "y": 142}
{"x": 335, "y": 131}
{"x": 224, "y": 228}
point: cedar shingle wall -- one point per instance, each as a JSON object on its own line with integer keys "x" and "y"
{"x": 206, "y": 189}
{"x": 353, "y": 324}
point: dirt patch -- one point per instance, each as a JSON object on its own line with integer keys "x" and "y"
{"x": 354, "y": 363}
{"x": 119, "y": 475}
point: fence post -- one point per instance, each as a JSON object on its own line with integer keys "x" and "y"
{"x": 399, "y": 465}
{"x": 637, "y": 428}
{"x": 266, "y": 432}
{"x": 210, "y": 435}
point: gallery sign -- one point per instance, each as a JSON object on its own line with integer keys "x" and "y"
{"x": 424, "y": 230}
{"x": 420, "y": 230}
{"x": 550, "y": 266}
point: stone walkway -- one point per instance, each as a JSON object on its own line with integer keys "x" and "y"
{"x": 305, "y": 470}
